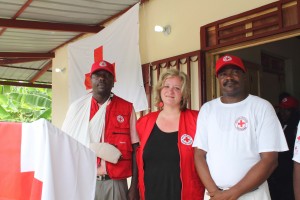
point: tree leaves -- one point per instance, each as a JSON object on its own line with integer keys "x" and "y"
{"x": 24, "y": 104}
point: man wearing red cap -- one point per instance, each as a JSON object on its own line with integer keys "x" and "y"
{"x": 281, "y": 180}
{"x": 237, "y": 139}
{"x": 106, "y": 123}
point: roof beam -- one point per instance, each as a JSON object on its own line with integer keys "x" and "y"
{"x": 20, "y": 60}
{"x": 25, "y": 84}
{"x": 26, "y": 68}
{"x": 67, "y": 42}
{"x": 21, "y": 10}
{"x": 24, "y": 24}
{"x": 41, "y": 72}
{"x": 26, "y": 55}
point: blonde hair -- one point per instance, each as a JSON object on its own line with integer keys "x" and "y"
{"x": 185, "y": 89}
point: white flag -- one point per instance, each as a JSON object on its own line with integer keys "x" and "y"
{"x": 119, "y": 44}
{"x": 40, "y": 162}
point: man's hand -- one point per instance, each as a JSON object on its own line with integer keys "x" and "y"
{"x": 133, "y": 194}
{"x": 223, "y": 195}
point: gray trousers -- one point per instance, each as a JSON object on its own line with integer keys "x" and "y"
{"x": 111, "y": 190}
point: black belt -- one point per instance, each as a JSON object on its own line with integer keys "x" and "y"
{"x": 103, "y": 177}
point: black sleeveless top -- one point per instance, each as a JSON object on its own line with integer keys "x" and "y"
{"x": 161, "y": 166}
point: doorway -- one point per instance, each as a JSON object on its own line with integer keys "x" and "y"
{"x": 273, "y": 68}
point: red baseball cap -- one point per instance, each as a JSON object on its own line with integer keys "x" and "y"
{"x": 229, "y": 60}
{"x": 288, "y": 102}
{"x": 103, "y": 65}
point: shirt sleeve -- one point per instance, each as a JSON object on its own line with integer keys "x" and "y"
{"x": 296, "y": 156}
{"x": 200, "y": 140}
{"x": 269, "y": 131}
{"x": 133, "y": 133}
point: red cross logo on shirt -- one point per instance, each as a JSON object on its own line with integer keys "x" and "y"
{"x": 241, "y": 123}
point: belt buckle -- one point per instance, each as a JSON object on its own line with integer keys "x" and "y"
{"x": 103, "y": 177}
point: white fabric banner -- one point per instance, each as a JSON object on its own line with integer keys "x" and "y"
{"x": 120, "y": 45}
{"x": 66, "y": 168}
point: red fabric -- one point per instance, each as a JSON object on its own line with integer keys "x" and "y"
{"x": 98, "y": 54}
{"x": 87, "y": 81}
{"x": 94, "y": 108}
{"x": 192, "y": 187}
{"x": 117, "y": 133}
{"x": 13, "y": 183}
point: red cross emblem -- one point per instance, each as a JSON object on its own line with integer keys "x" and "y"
{"x": 227, "y": 58}
{"x": 241, "y": 123}
{"x": 102, "y": 64}
{"x": 120, "y": 119}
{"x": 186, "y": 139}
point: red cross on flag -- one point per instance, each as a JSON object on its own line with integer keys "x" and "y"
{"x": 118, "y": 44}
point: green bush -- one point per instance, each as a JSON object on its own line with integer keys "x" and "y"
{"x": 24, "y": 104}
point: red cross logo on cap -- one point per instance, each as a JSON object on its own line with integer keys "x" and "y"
{"x": 241, "y": 123}
{"x": 186, "y": 139}
{"x": 102, "y": 64}
{"x": 227, "y": 58}
{"x": 284, "y": 100}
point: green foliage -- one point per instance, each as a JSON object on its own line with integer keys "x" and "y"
{"x": 24, "y": 104}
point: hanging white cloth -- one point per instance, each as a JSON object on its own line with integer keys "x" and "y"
{"x": 97, "y": 123}
{"x": 105, "y": 151}
{"x": 78, "y": 126}
{"x": 76, "y": 123}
